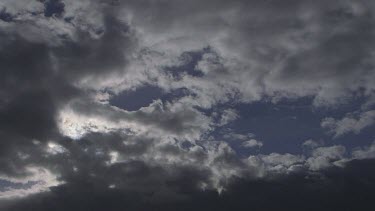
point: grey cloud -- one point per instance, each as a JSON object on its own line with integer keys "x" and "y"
{"x": 289, "y": 193}
{"x": 311, "y": 144}
{"x": 352, "y": 122}
{"x": 290, "y": 55}
{"x": 162, "y": 155}
{"x": 38, "y": 79}
{"x": 365, "y": 152}
{"x": 174, "y": 119}
{"x": 252, "y": 143}
{"x": 324, "y": 157}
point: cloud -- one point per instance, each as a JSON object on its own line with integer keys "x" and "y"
{"x": 365, "y": 152}
{"x": 324, "y": 157}
{"x": 65, "y": 147}
{"x": 277, "y": 62}
{"x": 288, "y": 193}
{"x": 252, "y": 143}
{"x": 227, "y": 116}
{"x": 280, "y": 163}
{"x": 311, "y": 144}
{"x": 43, "y": 62}
{"x": 54, "y": 148}
{"x": 352, "y": 122}
{"x": 40, "y": 180}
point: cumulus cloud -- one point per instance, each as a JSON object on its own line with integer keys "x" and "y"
{"x": 324, "y": 157}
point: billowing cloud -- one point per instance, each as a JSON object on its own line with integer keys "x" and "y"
{"x": 324, "y": 157}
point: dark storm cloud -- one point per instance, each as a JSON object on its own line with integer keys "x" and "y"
{"x": 96, "y": 57}
{"x": 32, "y": 85}
{"x": 341, "y": 189}
{"x": 30, "y": 94}
{"x": 93, "y": 175}
{"x": 25, "y": 101}
{"x": 5, "y": 16}
{"x": 37, "y": 79}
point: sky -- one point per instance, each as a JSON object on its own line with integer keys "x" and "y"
{"x": 187, "y": 105}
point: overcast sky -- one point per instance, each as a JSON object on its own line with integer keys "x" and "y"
{"x": 187, "y": 105}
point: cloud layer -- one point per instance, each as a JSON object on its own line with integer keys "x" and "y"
{"x": 66, "y": 144}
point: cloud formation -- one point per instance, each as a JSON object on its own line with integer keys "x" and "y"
{"x": 351, "y": 123}
{"x": 65, "y": 144}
